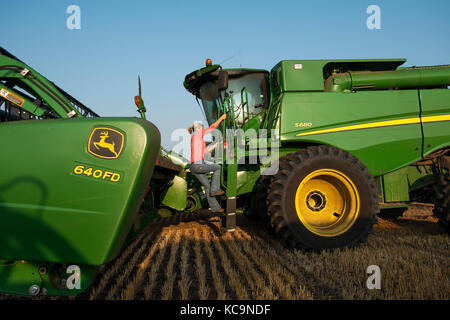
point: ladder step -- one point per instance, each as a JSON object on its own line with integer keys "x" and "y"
{"x": 230, "y": 220}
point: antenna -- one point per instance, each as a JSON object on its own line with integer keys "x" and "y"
{"x": 233, "y": 56}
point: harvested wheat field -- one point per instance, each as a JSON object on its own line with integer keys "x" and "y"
{"x": 187, "y": 257}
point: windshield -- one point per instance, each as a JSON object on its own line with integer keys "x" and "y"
{"x": 257, "y": 96}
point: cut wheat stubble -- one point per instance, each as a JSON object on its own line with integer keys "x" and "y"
{"x": 293, "y": 263}
{"x": 234, "y": 279}
{"x": 134, "y": 284}
{"x": 152, "y": 274}
{"x": 185, "y": 282}
{"x": 281, "y": 280}
{"x": 203, "y": 288}
{"x": 256, "y": 283}
{"x": 107, "y": 278}
{"x": 218, "y": 280}
{"x": 167, "y": 288}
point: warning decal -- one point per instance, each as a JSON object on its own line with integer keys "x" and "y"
{"x": 11, "y": 97}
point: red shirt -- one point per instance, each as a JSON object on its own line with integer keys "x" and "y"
{"x": 198, "y": 145}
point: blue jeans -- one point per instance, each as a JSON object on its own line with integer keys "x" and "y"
{"x": 200, "y": 170}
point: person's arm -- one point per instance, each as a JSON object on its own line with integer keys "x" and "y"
{"x": 214, "y": 125}
{"x": 210, "y": 148}
{"x": 222, "y": 117}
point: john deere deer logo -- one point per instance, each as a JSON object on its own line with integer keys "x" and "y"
{"x": 103, "y": 144}
{"x": 106, "y": 143}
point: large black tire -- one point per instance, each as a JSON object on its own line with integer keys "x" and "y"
{"x": 441, "y": 201}
{"x": 261, "y": 190}
{"x": 260, "y": 194}
{"x": 352, "y": 225}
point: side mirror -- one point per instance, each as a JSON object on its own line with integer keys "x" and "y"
{"x": 222, "y": 80}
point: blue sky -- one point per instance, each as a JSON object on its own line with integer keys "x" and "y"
{"x": 162, "y": 41}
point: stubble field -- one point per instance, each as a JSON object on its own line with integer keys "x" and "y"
{"x": 188, "y": 257}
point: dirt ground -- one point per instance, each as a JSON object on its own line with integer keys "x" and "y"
{"x": 188, "y": 257}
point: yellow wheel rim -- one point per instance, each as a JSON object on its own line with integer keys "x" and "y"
{"x": 327, "y": 202}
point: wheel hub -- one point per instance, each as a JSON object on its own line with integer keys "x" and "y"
{"x": 316, "y": 201}
{"x": 327, "y": 202}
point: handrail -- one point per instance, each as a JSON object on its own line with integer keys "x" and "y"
{"x": 245, "y": 103}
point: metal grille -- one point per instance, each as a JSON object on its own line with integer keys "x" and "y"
{"x": 10, "y": 112}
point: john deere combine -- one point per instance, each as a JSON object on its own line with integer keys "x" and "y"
{"x": 354, "y": 136}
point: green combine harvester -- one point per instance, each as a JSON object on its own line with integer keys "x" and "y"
{"x": 352, "y": 137}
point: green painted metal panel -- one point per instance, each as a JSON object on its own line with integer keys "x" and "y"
{"x": 308, "y": 78}
{"x": 246, "y": 180}
{"x": 395, "y": 186}
{"x": 49, "y": 211}
{"x": 176, "y": 195}
{"x": 231, "y": 182}
{"x": 16, "y": 277}
{"x": 435, "y": 106}
{"x": 309, "y": 75}
{"x": 419, "y": 176}
{"x": 382, "y": 149}
{"x": 393, "y": 205}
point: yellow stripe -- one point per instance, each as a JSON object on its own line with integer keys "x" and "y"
{"x": 387, "y": 123}
{"x": 445, "y": 117}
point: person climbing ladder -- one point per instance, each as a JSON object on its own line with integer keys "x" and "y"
{"x": 200, "y": 167}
